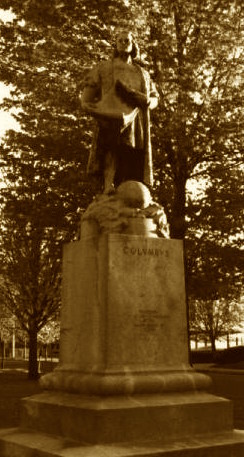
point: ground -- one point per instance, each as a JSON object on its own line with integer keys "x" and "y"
{"x": 228, "y": 382}
{"x": 14, "y": 385}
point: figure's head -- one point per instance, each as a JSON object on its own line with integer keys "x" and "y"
{"x": 125, "y": 44}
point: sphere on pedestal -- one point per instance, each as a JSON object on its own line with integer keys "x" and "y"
{"x": 134, "y": 194}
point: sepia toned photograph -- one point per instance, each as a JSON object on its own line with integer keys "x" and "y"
{"x": 121, "y": 228}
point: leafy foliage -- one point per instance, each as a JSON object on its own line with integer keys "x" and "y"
{"x": 215, "y": 255}
{"x": 198, "y": 74}
{"x": 7, "y": 323}
{"x": 50, "y": 333}
{"x": 194, "y": 52}
{"x": 30, "y": 278}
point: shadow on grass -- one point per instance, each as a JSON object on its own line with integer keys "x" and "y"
{"x": 14, "y": 385}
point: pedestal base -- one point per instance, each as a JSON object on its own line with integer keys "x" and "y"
{"x": 170, "y": 425}
{"x": 14, "y": 443}
{"x": 97, "y": 420}
{"x": 124, "y": 387}
{"x": 110, "y": 382}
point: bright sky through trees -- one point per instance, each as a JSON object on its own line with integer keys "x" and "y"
{"x": 6, "y": 15}
{"x": 6, "y": 119}
{"x": 192, "y": 50}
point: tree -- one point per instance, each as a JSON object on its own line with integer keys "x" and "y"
{"x": 30, "y": 280}
{"x": 10, "y": 333}
{"x": 6, "y": 330}
{"x": 198, "y": 73}
{"x": 199, "y": 136}
{"x": 193, "y": 50}
{"x": 50, "y": 333}
{"x": 215, "y": 255}
{"x": 196, "y": 70}
{"x": 43, "y": 164}
{"x": 214, "y": 319}
{"x": 218, "y": 214}
{"x": 49, "y": 336}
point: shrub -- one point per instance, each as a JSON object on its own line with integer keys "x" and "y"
{"x": 230, "y": 355}
{"x": 201, "y": 356}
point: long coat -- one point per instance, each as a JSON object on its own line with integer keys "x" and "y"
{"x": 99, "y": 81}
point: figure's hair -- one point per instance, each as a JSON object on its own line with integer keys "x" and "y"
{"x": 135, "y": 53}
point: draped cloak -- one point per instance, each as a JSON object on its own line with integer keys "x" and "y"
{"x": 100, "y": 81}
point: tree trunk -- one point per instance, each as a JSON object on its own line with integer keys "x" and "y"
{"x": 33, "y": 362}
{"x": 212, "y": 340}
{"x": 2, "y": 353}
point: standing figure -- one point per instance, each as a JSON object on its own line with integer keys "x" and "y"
{"x": 120, "y": 95}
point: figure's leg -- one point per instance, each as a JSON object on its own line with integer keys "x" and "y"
{"x": 109, "y": 171}
{"x": 130, "y": 164}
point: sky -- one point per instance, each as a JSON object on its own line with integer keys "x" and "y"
{"x": 6, "y": 15}
{"x": 6, "y": 119}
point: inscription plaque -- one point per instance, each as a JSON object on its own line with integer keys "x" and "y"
{"x": 146, "y": 281}
{"x": 138, "y": 251}
{"x": 149, "y": 320}
{"x": 126, "y": 300}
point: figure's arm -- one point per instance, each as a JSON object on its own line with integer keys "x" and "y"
{"x": 88, "y": 97}
{"x": 91, "y": 92}
{"x": 135, "y": 97}
{"x": 130, "y": 96}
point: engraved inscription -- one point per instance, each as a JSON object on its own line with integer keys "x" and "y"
{"x": 136, "y": 251}
{"x": 149, "y": 320}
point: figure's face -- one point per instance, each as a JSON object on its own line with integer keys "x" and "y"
{"x": 124, "y": 42}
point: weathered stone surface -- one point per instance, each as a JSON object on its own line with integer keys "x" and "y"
{"x": 125, "y": 383}
{"x": 128, "y": 304}
{"x": 128, "y": 209}
{"x": 62, "y": 424}
{"x": 15, "y": 443}
{"x": 123, "y": 318}
{"x": 147, "y": 320}
{"x": 124, "y": 352}
{"x": 97, "y": 420}
{"x": 134, "y": 194}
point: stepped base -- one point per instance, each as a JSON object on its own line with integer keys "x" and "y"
{"x": 189, "y": 424}
{"x": 15, "y": 443}
{"x": 98, "y": 420}
{"x": 111, "y": 382}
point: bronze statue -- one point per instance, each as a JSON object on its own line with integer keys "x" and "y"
{"x": 120, "y": 95}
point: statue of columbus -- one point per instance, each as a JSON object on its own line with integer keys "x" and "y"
{"x": 119, "y": 94}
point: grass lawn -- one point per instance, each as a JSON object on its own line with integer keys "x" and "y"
{"x": 14, "y": 384}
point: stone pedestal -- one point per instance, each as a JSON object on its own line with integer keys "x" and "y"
{"x": 124, "y": 386}
{"x": 124, "y": 325}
